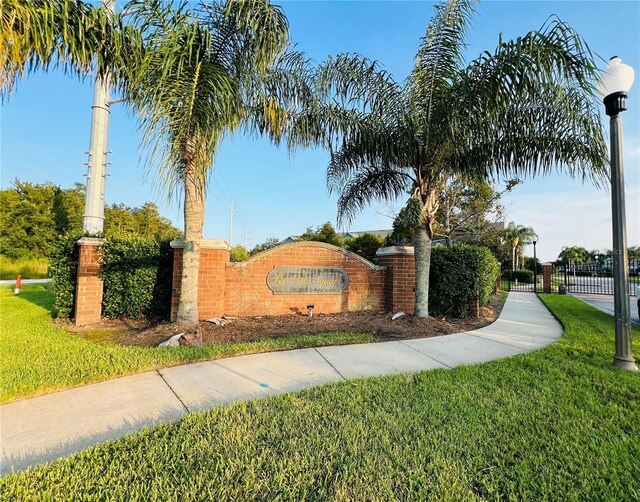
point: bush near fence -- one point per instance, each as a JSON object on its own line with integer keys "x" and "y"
{"x": 459, "y": 274}
{"x": 524, "y": 276}
{"x": 136, "y": 272}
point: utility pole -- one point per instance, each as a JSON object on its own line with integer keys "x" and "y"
{"x": 231, "y": 222}
{"x": 93, "y": 221}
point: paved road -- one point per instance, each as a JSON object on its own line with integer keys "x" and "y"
{"x": 605, "y": 303}
{"x": 25, "y": 281}
{"x": 56, "y": 425}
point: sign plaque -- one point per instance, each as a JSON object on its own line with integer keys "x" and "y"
{"x": 307, "y": 280}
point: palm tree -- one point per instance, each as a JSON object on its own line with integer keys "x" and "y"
{"x": 518, "y": 236}
{"x": 203, "y": 75}
{"x": 191, "y": 75}
{"x": 525, "y": 109}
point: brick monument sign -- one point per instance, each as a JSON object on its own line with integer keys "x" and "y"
{"x": 287, "y": 278}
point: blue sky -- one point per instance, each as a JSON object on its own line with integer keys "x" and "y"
{"x": 45, "y": 129}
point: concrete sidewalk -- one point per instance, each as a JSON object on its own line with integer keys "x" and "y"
{"x": 605, "y": 304}
{"x": 45, "y": 428}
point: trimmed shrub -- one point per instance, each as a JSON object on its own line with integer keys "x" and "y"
{"x": 457, "y": 275}
{"x": 136, "y": 272}
{"x": 137, "y": 277}
{"x": 523, "y": 276}
{"x": 63, "y": 267}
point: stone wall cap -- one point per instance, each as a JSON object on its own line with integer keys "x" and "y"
{"x": 205, "y": 244}
{"x": 303, "y": 244}
{"x": 391, "y": 250}
{"x": 91, "y": 241}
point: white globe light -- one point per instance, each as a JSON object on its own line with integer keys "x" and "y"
{"x": 618, "y": 77}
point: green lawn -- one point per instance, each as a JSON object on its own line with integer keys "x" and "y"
{"x": 557, "y": 424}
{"x": 38, "y": 357}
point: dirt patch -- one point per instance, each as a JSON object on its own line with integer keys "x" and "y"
{"x": 246, "y": 329}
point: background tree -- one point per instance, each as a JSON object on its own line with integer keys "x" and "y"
{"x": 527, "y": 108}
{"x": 239, "y": 253}
{"x": 403, "y": 230}
{"x": 517, "y": 236}
{"x": 147, "y": 221}
{"x": 365, "y": 245}
{"x": 32, "y": 215}
{"x": 469, "y": 210}
{"x": 268, "y": 244}
{"x": 574, "y": 255}
{"x": 323, "y": 233}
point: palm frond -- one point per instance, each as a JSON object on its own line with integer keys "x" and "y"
{"x": 70, "y": 34}
{"x": 535, "y": 100}
{"x": 439, "y": 57}
{"x": 202, "y": 75}
{"x": 375, "y": 182}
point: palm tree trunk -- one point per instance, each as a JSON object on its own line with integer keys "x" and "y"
{"x": 194, "y": 199}
{"x": 422, "y": 241}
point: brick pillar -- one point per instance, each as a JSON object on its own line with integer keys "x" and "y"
{"x": 546, "y": 278}
{"x": 214, "y": 258}
{"x": 401, "y": 279}
{"x": 474, "y": 307}
{"x": 88, "y": 282}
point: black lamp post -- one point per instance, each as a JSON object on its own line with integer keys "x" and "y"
{"x": 535, "y": 266}
{"x": 614, "y": 84}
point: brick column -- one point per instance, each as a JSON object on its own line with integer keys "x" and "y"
{"x": 546, "y": 278}
{"x": 401, "y": 279}
{"x": 474, "y": 307}
{"x": 89, "y": 285}
{"x": 214, "y": 258}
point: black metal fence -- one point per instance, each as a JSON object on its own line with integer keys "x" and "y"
{"x": 521, "y": 280}
{"x": 591, "y": 278}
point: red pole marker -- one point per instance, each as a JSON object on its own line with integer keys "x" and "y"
{"x": 18, "y": 281}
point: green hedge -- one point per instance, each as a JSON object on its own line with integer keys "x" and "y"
{"x": 457, "y": 275}
{"x": 524, "y": 276}
{"x": 137, "y": 277}
{"x": 136, "y": 272}
{"x": 63, "y": 266}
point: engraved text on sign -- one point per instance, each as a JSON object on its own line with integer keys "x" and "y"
{"x": 303, "y": 280}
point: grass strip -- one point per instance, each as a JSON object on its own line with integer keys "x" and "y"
{"x": 555, "y": 424}
{"x": 38, "y": 357}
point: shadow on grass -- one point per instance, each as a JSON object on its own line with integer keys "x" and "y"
{"x": 39, "y": 295}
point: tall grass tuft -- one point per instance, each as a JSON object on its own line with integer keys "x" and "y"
{"x": 28, "y": 268}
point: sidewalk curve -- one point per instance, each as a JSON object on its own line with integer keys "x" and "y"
{"x": 56, "y": 425}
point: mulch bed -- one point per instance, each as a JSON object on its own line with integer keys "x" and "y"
{"x": 246, "y": 329}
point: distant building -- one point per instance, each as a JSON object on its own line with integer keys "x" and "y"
{"x": 290, "y": 239}
{"x": 353, "y": 234}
